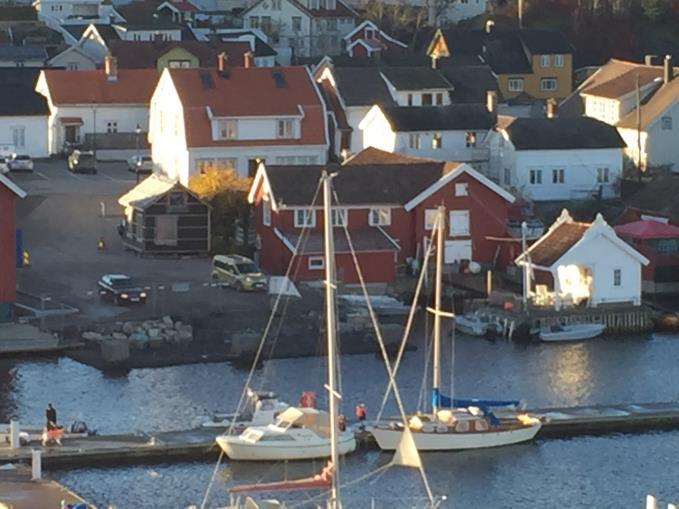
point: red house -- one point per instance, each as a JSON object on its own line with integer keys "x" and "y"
{"x": 367, "y": 39}
{"x": 8, "y": 193}
{"x": 388, "y": 203}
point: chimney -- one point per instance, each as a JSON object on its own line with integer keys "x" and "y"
{"x": 551, "y": 108}
{"x": 650, "y": 59}
{"x": 434, "y": 62}
{"x": 248, "y": 60}
{"x": 491, "y": 101}
{"x": 668, "y": 73}
{"x": 222, "y": 64}
{"x": 489, "y": 26}
{"x": 111, "y": 67}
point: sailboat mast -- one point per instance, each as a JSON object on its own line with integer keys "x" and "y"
{"x": 436, "y": 368}
{"x": 334, "y": 502}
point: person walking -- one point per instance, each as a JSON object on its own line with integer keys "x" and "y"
{"x": 51, "y": 415}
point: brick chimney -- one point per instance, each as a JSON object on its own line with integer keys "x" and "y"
{"x": 668, "y": 71}
{"x": 491, "y": 101}
{"x": 248, "y": 60}
{"x": 223, "y": 64}
{"x": 551, "y": 108}
{"x": 111, "y": 67}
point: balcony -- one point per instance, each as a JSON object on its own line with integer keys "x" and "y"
{"x": 534, "y": 228}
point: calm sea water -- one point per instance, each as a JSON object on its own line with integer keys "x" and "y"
{"x": 612, "y": 471}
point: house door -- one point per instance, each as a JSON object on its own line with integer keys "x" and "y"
{"x": 457, "y": 250}
{"x": 459, "y": 223}
{"x": 72, "y": 133}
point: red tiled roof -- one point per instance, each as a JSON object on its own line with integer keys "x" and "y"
{"x": 248, "y": 93}
{"x": 647, "y": 230}
{"x": 556, "y": 243}
{"x": 145, "y": 54}
{"x": 133, "y": 86}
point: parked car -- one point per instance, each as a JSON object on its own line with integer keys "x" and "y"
{"x": 20, "y": 162}
{"x": 82, "y": 162}
{"x": 239, "y": 272}
{"x": 3, "y": 165}
{"x": 120, "y": 289}
{"x": 140, "y": 164}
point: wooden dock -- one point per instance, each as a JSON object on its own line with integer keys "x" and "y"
{"x": 18, "y": 491}
{"x": 199, "y": 444}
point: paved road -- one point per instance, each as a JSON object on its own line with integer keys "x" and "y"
{"x": 62, "y": 221}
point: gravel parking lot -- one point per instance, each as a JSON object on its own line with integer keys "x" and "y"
{"x": 62, "y": 219}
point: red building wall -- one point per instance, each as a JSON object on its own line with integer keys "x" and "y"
{"x": 7, "y": 245}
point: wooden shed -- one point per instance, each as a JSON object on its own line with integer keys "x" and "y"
{"x": 164, "y": 217}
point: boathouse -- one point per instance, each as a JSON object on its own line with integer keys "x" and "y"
{"x": 9, "y": 191}
{"x": 164, "y": 217}
{"x": 582, "y": 264}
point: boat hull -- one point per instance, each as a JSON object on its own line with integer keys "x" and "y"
{"x": 238, "y": 449}
{"x": 573, "y": 334}
{"x": 471, "y": 329}
{"x": 388, "y": 439}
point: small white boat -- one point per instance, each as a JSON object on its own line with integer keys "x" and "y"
{"x": 474, "y": 324}
{"x": 572, "y": 332}
{"x": 298, "y": 434}
{"x": 262, "y": 409}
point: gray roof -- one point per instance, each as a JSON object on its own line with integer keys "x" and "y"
{"x": 415, "y": 78}
{"x": 148, "y": 191}
{"x": 10, "y": 52}
{"x": 17, "y": 94}
{"x": 362, "y": 86}
{"x": 562, "y": 133}
{"x": 471, "y": 82}
{"x": 439, "y": 118}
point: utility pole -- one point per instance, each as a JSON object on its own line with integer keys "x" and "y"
{"x": 638, "y": 98}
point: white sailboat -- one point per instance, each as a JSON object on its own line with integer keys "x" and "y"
{"x": 447, "y": 429}
{"x": 572, "y": 332}
{"x": 302, "y": 433}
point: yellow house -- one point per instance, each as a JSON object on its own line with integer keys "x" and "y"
{"x": 177, "y": 57}
{"x": 533, "y": 63}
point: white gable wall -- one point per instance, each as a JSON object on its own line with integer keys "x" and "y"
{"x": 34, "y": 138}
{"x": 355, "y": 114}
{"x": 72, "y": 59}
{"x": 377, "y": 131}
{"x": 662, "y": 145}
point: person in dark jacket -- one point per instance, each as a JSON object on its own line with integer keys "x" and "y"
{"x": 51, "y": 415}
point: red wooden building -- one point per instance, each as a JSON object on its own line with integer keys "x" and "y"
{"x": 367, "y": 40}
{"x": 388, "y": 203}
{"x": 8, "y": 193}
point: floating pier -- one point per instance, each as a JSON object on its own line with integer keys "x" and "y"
{"x": 18, "y": 490}
{"x": 199, "y": 443}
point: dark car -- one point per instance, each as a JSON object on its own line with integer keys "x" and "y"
{"x": 82, "y": 162}
{"x": 120, "y": 289}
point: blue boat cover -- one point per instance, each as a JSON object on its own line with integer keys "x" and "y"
{"x": 441, "y": 401}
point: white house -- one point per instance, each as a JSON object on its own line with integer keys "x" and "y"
{"x": 55, "y": 13}
{"x": 90, "y": 42}
{"x": 23, "y": 113}
{"x": 610, "y": 95}
{"x": 236, "y": 117}
{"x": 109, "y": 105}
{"x": 73, "y": 58}
{"x": 158, "y": 31}
{"x": 546, "y": 159}
{"x": 310, "y": 27}
{"x": 583, "y": 262}
{"x": 457, "y": 132}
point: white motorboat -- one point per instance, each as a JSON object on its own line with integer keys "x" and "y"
{"x": 262, "y": 408}
{"x": 474, "y": 324}
{"x": 572, "y": 332}
{"x": 471, "y": 426}
{"x": 298, "y": 434}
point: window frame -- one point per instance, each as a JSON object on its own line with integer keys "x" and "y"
{"x": 414, "y": 141}
{"x": 559, "y": 60}
{"x": 459, "y": 213}
{"x": 461, "y": 189}
{"x": 436, "y": 141}
{"x": 666, "y": 123}
{"x": 288, "y": 131}
{"x": 535, "y": 176}
{"x": 429, "y": 101}
{"x": 603, "y": 175}
{"x": 316, "y": 266}
{"x": 430, "y": 216}
{"x": 512, "y": 84}
{"x": 223, "y": 130}
{"x": 470, "y": 139}
{"x": 340, "y": 213}
{"x": 558, "y": 176}
{"x": 383, "y": 215}
{"x": 617, "y": 277}
{"x": 545, "y": 61}
{"x": 544, "y": 81}
{"x": 310, "y": 216}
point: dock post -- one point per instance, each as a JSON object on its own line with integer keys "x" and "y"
{"x": 14, "y": 434}
{"x": 651, "y": 502}
{"x": 489, "y": 283}
{"x": 36, "y": 464}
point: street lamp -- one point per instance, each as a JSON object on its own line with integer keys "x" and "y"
{"x": 136, "y": 138}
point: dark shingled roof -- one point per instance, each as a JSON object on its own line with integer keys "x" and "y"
{"x": 17, "y": 94}
{"x": 362, "y": 86}
{"x": 107, "y": 32}
{"x": 556, "y": 243}
{"x": 471, "y": 82}
{"x": 443, "y": 118}
{"x": 659, "y": 197}
{"x": 415, "y": 78}
{"x": 357, "y": 184}
{"x": 10, "y": 52}
{"x": 562, "y": 133}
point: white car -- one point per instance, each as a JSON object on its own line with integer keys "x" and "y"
{"x": 20, "y": 162}
{"x": 140, "y": 164}
{"x": 3, "y": 165}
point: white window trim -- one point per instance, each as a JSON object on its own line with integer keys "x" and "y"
{"x": 341, "y": 213}
{"x": 316, "y": 259}
{"x": 451, "y": 223}
{"x": 619, "y": 270}
{"x": 433, "y": 213}
{"x": 543, "y": 81}
{"x": 545, "y": 60}
{"x": 309, "y": 213}
{"x": 515, "y": 81}
{"x": 461, "y": 189}
{"x": 371, "y": 221}
{"x": 559, "y": 60}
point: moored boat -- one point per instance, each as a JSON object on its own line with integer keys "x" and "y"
{"x": 572, "y": 332}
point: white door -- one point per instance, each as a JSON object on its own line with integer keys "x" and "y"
{"x": 457, "y": 250}
{"x": 459, "y": 223}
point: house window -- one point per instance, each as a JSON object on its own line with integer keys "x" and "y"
{"x": 296, "y": 23}
{"x": 369, "y": 33}
{"x": 515, "y": 84}
{"x": 266, "y": 213}
{"x": 111, "y": 127}
{"x": 558, "y": 60}
{"x": 410, "y": 99}
{"x": 459, "y": 223}
{"x": 177, "y": 200}
{"x": 462, "y": 189}
{"x": 166, "y": 230}
{"x": 548, "y": 84}
{"x": 228, "y": 129}
{"x": 254, "y": 21}
{"x": 439, "y": 99}
{"x": 72, "y": 66}
{"x": 304, "y": 217}
{"x": 331, "y": 24}
{"x": 436, "y": 141}
{"x": 545, "y": 60}
{"x": 275, "y": 5}
{"x": 508, "y": 176}
{"x": 602, "y": 175}
{"x": 430, "y": 216}
{"x": 179, "y": 64}
{"x": 203, "y": 165}
{"x": 339, "y": 217}
{"x": 379, "y": 217}
{"x": 666, "y": 123}
{"x": 316, "y": 263}
{"x": 536, "y": 176}
{"x": 558, "y": 176}
{"x": 414, "y": 141}
{"x": 617, "y": 277}
{"x": 285, "y": 128}
{"x": 470, "y": 139}
{"x": 19, "y": 137}
{"x": 426, "y": 100}
{"x": 266, "y": 25}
